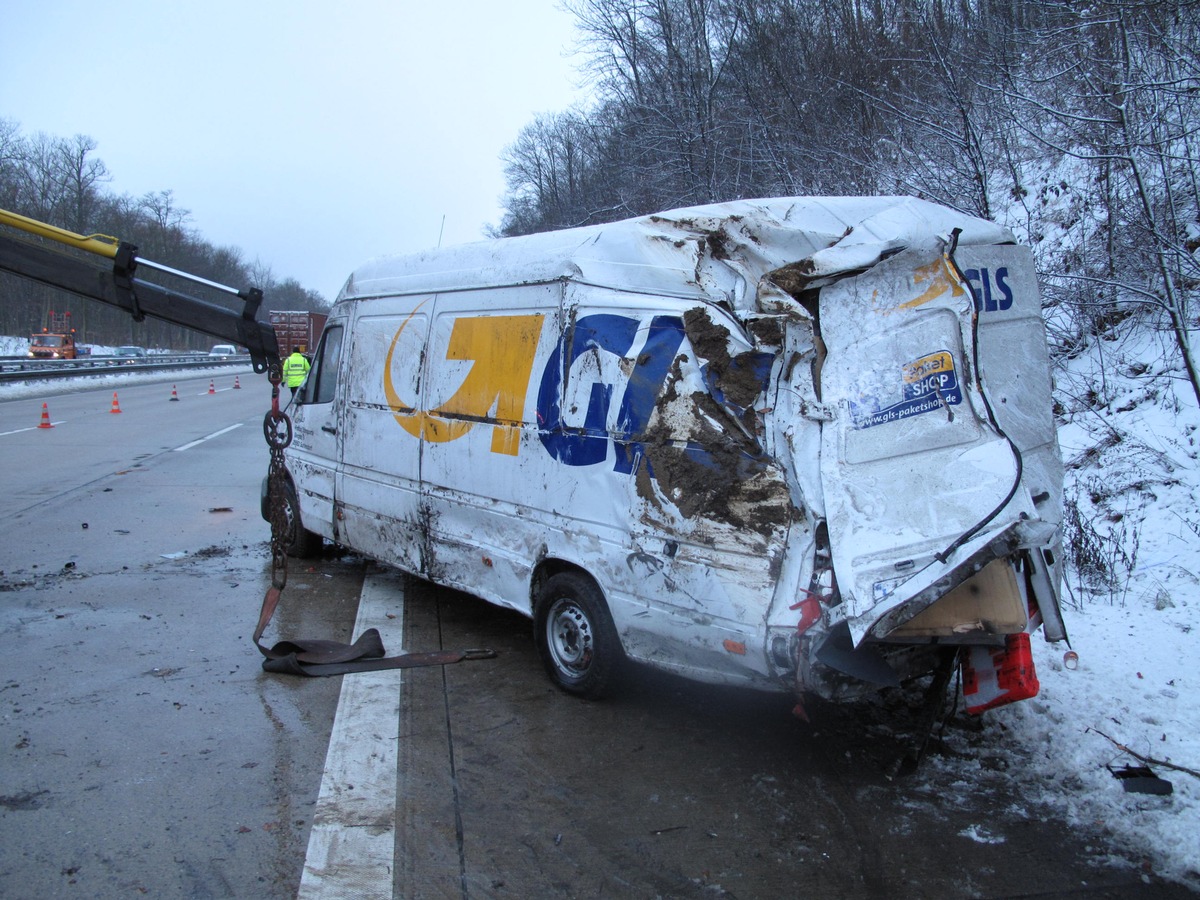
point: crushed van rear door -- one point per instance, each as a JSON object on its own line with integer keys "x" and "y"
{"x": 910, "y": 463}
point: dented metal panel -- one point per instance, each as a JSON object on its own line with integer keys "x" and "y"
{"x": 910, "y": 462}
{"x": 765, "y": 430}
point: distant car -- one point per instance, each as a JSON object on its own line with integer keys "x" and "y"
{"x": 223, "y": 350}
{"x": 129, "y": 356}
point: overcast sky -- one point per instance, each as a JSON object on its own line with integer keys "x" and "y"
{"x": 311, "y": 135}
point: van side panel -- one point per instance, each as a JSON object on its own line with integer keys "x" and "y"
{"x": 629, "y": 501}
{"x": 488, "y": 430}
{"x": 671, "y": 507}
{"x": 489, "y": 517}
{"x": 1016, "y": 363}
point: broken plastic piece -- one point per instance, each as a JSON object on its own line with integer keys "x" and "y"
{"x": 994, "y": 677}
{"x": 1141, "y": 780}
{"x": 810, "y": 611}
{"x": 863, "y": 662}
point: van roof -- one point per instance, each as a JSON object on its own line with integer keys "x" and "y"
{"x": 716, "y": 252}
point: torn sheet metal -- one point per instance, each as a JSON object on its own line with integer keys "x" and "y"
{"x": 796, "y": 443}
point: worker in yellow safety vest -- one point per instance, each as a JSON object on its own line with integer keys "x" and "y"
{"x": 295, "y": 370}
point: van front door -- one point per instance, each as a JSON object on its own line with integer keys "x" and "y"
{"x": 312, "y": 458}
{"x": 380, "y": 487}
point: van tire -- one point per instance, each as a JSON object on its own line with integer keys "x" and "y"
{"x": 575, "y": 635}
{"x": 299, "y": 542}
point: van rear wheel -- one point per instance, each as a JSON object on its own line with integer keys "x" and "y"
{"x": 298, "y": 541}
{"x": 575, "y": 635}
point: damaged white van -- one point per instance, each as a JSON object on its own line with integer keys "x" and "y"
{"x": 798, "y": 444}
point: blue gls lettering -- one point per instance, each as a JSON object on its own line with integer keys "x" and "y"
{"x": 613, "y": 334}
{"x": 1006, "y": 301}
{"x": 981, "y": 288}
{"x": 649, "y": 375}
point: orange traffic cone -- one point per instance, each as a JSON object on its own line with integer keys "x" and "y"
{"x": 212, "y": 388}
{"x": 174, "y": 394}
{"x": 45, "y": 417}
{"x": 116, "y": 407}
{"x": 236, "y": 385}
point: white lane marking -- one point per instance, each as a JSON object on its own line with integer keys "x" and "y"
{"x": 30, "y": 428}
{"x": 208, "y": 437}
{"x": 352, "y": 845}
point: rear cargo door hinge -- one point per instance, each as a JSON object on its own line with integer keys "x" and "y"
{"x": 816, "y": 412}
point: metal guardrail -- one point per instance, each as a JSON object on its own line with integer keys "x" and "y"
{"x": 21, "y": 368}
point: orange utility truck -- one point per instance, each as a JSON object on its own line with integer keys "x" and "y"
{"x": 56, "y": 341}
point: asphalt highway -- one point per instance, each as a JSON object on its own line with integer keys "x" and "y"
{"x": 143, "y": 751}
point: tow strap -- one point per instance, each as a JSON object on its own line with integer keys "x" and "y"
{"x": 317, "y": 658}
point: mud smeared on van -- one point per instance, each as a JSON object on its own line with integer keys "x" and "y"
{"x": 700, "y": 450}
{"x": 737, "y": 380}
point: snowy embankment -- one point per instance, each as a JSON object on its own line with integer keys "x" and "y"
{"x": 1129, "y": 441}
{"x": 117, "y": 378}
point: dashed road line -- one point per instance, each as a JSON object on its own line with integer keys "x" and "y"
{"x": 207, "y": 437}
{"x": 352, "y": 845}
{"x": 30, "y": 428}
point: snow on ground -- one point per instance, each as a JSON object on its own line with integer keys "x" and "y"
{"x": 1131, "y": 454}
{"x": 18, "y": 346}
{"x": 45, "y": 389}
{"x": 48, "y": 387}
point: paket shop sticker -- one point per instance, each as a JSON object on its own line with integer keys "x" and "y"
{"x": 924, "y": 385}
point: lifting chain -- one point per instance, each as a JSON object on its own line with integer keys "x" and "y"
{"x": 317, "y": 657}
{"x": 277, "y": 428}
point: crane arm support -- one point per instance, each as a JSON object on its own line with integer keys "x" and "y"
{"x": 118, "y": 287}
{"x": 100, "y": 244}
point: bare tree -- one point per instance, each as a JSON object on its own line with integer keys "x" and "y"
{"x": 40, "y": 181}
{"x": 11, "y": 155}
{"x": 662, "y": 63}
{"x": 563, "y": 171}
{"x": 1126, "y": 103}
{"x": 82, "y": 175}
{"x": 160, "y": 207}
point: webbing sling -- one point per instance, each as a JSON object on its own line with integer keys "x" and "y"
{"x": 316, "y": 658}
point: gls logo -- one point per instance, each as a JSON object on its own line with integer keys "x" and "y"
{"x": 615, "y": 335}
{"x": 992, "y": 291}
{"x": 502, "y": 349}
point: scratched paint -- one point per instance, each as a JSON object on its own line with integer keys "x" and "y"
{"x": 500, "y": 352}
{"x": 720, "y": 415}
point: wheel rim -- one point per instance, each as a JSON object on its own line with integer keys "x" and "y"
{"x": 569, "y": 637}
{"x": 289, "y": 520}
